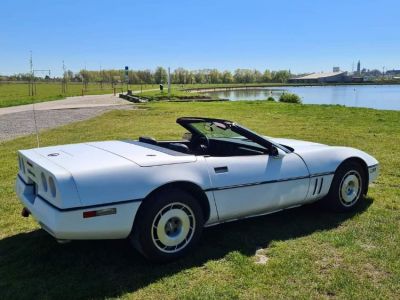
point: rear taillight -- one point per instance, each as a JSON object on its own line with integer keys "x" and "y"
{"x": 52, "y": 187}
{"x": 100, "y": 212}
{"x": 44, "y": 181}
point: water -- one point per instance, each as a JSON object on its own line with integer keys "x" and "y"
{"x": 372, "y": 96}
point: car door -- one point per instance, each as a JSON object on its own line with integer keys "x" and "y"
{"x": 257, "y": 184}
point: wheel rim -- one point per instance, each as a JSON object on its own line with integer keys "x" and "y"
{"x": 350, "y": 188}
{"x": 173, "y": 227}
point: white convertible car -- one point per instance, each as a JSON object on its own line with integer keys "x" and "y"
{"x": 160, "y": 194}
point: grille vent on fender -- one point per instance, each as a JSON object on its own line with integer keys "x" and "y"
{"x": 319, "y": 181}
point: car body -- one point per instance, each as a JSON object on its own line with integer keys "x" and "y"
{"x": 103, "y": 190}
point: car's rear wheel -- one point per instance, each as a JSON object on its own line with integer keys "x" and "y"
{"x": 168, "y": 225}
{"x": 348, "y": 187}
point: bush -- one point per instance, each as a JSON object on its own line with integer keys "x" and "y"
{"x": 271, "y": 99}
{"x": 289, "y": 98}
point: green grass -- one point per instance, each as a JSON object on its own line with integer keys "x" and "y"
{"x": 311, "y": 253}
{"x": 13, "y": 94}
{"x": 175, "y": 94}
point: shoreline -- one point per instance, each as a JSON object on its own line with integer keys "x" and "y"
{"x": 278, "y": 85}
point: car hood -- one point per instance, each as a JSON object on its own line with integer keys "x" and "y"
{"x": 321, "y": 158}
{"x": 298, "y": 145}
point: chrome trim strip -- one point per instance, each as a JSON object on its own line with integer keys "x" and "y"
{"x": 88, "y": 206}
{"x": 265, "y": 182}
{"x": 255, "y": 183}
{"x": 322, "y": 174}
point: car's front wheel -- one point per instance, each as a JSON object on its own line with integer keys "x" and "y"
{"x": 168, "y": 225}
{"x": 349, "y": 185}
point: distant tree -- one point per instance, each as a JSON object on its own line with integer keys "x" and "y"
{"x": 281, "y": 76}
{"x": 238, "y": 76}
{"x": 199, "y": 77}
{"x": 116, "y": 79}
{"x": 267, "y": 77}
{"x": 134, "y": 78}
{"x": 77, "y": 77}
{"x": 191, "y": 78}
{"x": 145, "y": 76}
{"x": 180, "y": 75}
{"x": 160, "y": 75}
{"x": 85, "y": 75}
{"x": 69, "y": 74}
{"x": 257, "y": 76}
{"x": 227, "y": 77}
{"x": 244, "y": 76}
{"x": 215, "y": 76}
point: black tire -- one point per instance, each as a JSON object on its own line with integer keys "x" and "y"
{"x": 348, "y": 187}
{"x": 163, "y": 219}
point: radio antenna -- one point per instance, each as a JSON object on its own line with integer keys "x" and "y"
{"x": 34, "y": 118}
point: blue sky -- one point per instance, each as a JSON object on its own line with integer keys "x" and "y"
{"x": 302, "y": 36}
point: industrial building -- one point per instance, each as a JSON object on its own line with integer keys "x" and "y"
{"x": 328, "y": 77}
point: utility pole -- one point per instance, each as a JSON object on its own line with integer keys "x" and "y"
{"x": 64, "y": 80}
{"x": 101, "y": 78}
{"x": 169, "y": 82}
{"x": 85, "y": 79}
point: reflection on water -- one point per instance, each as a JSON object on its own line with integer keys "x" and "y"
{"x": 373, "y": 96}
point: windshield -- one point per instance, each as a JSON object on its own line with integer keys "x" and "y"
{"x": 215, "y": 130}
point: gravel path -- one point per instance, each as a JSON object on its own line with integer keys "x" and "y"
{"x": 18, "y": 121}
{"x": 70, "y": 102}
{"x": 22, "y": 123}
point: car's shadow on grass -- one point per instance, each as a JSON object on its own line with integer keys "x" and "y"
{"x": 33, "y": 265}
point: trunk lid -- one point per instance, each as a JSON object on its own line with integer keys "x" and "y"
{"x": 91, "y": 156}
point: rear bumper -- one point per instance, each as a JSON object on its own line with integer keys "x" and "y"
{"x": 70, "y": 224}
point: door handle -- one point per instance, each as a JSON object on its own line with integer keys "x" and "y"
{"x": 221, "y": 169}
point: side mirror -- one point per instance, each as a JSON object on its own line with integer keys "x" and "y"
{"x": 276, "y": 153}
{"x": 187, "y": 136}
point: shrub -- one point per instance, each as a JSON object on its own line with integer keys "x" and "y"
{"x": 271, "y": 99}
{"x": 289, "y": 98}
